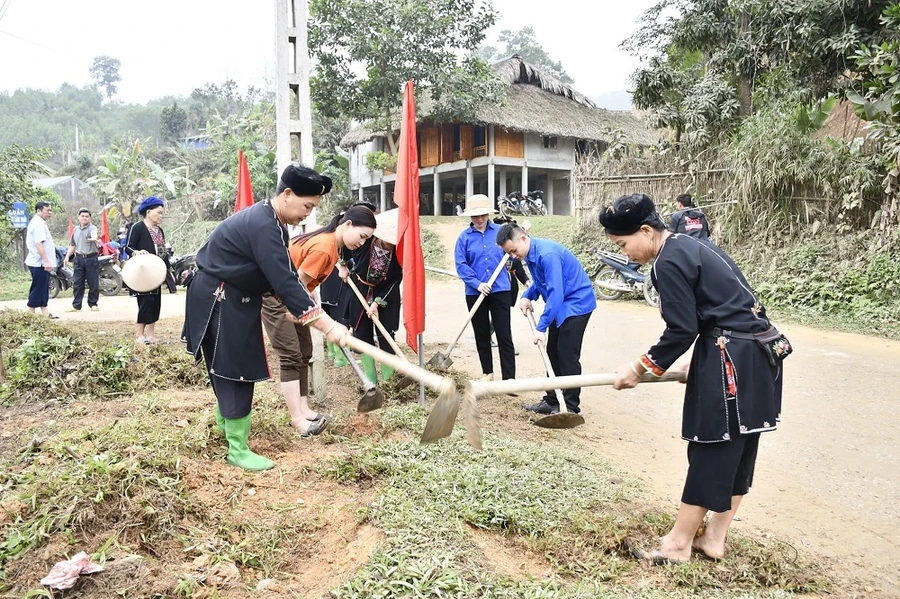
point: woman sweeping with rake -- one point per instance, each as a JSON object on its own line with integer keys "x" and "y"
{"x": 734, "y": 381}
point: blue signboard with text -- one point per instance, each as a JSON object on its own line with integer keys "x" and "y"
{"x": 18, "y": 216}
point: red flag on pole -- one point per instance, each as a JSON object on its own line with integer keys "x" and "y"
{"x": 244, "y": 189}
{"x": 409, "y": 240}
{"x": 71, "y": 230}
{"x": 104, "y": 228}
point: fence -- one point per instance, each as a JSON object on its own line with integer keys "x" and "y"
{"x": 595, "y": 189}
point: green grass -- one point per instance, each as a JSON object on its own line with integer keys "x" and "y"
{"x": 14, "y": 284}
{"x": 566, "y": 508}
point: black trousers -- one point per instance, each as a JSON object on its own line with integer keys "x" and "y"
{"x": 87, "y": 270}
{"x": 39, "y": 293}
{"x": 149, "y": 305}
{"x": 235, "y": 398}
{"x": 564, "y": 352}
{"x": 494, "y": 308}
{"x": 718, "y": 471}
{"x": 364, "y": 329}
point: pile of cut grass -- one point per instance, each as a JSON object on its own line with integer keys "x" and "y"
{"x": 46, "y": 360}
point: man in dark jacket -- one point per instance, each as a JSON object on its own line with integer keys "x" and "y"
{"x": 688, "y": 219}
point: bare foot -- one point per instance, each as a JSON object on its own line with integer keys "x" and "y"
{"x": 674, "y": 550}
{"x": 668, "y": 553}
{"x": 301, "y": 425}
{"x": 710, "y": 547}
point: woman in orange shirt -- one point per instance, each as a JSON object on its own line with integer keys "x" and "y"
{"x": 315, "y": 255}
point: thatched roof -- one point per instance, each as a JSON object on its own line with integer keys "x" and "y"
{"x": 514, "y": 70}
{"x": 539, "y": 103}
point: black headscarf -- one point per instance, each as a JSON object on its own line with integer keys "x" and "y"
{"x": 628, "y": 213}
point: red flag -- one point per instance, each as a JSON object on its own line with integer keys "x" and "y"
{"x": 104, "y": 228}
{"x": 71, "y": 230}
{"x": 244, "y": 189}
{"x": 409, "y": 240}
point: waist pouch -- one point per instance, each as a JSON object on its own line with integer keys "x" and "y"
{"x": 774, "y": 344}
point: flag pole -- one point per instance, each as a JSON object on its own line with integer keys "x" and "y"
{"x": 421, "y": 353}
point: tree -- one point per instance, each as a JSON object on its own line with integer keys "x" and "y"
{"x": 18, "y": 166}
{"x": 172, "y": 123}
{"x": 804, "y": 45}
{"x": 127, "y": 175}
{"x": 880, "y": 105}
{"x": 431, "y": 42}
{"x": 524, "y": 43}
{"x": 105, "y": 73}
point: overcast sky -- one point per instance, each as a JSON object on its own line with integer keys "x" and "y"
{"x": 172, "y": 46}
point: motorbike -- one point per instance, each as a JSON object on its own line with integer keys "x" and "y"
{"x": 182, "y": 267}
{"x": 530, "y": 204}
{"x": 62, "y": 277}
{"x": 109, "y": 275}
{"x": 616, "y": 276}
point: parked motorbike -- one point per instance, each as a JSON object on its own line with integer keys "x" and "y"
{"x": 616, "y": 275}
{"x": 109, "y": 275}
{"x": 61, "y": 277}
{"x": 530, "y": 204}
{"x": 182, "y": 266}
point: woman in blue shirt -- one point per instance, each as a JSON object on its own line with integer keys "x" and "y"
{"x": 477, "y": 256}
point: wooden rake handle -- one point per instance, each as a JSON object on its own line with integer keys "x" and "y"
{"x": 500, "y": 266}
{"x": 564, "y": 382}
{"x": 559, "y": 395}
{"x": 426, "y": 377}
{"x": 375, "y": 319}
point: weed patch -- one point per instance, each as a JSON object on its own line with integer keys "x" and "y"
{"x": 46, "y": 361}
{"x": 123, "y": 477}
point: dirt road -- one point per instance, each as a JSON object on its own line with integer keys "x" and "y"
{"x": 828, "y": 480}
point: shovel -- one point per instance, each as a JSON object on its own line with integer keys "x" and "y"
{"x": 564, "y": 419}
{"x": 376, "y": 320}
{"x": 442, "y": 359}
{"x": 372, "y": 398}
{"x": 476, "y": 389}
{"x": 443, "y": 385}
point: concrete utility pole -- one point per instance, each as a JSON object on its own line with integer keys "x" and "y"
{"x": 293, "y": 124}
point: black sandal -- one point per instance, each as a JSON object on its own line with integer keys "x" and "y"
{"x": 315, "y": 428}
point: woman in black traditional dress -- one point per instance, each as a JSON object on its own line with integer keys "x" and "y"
{"x": 245, "y": 257}
{"x": 147, "y": 237}
{"x": 733, "y": 390}
{"x": 377, "y": 274}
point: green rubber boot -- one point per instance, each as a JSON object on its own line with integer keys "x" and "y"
{"x": 340, "y": 360}
{"x": 368, "y": 364}
{"x": 237, "y": 431}
{"x": 386, "y": 372}
{"x": 219, "y": 420}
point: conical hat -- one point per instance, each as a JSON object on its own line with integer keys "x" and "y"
{"x": 387, "y": 226}
{"x": 144, "y": 272}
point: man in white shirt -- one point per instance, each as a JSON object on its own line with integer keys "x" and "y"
{"x": 41, "y": 258}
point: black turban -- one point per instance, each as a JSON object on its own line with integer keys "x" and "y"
{"x": 628, "y": 213}
{"x": 305, "y": 181}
